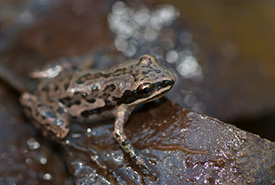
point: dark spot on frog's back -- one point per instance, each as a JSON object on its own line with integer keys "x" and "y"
{"x": 66, "y": 85}
{"x": 77, "y": 102}
{"x": 110, "y": 88}
{"x": 89, "y": 76}
{"x": 95, "y": 88}
{"x": 84, "y": 77}
{"x": 74, "y": 68}
{"x": 56, "y": 88}
{"x": 127, "y": 98}
{"x": 88, "y": 113}
{"x": 146, "y": 72}
{"x": 157, "y": 71}
{"x": 45, "y": 88}
{"x": 109, "y": 105}
{"x": 60, "y": 111}
{"x": 89, "y": 99}
{"x": 120, "y": 71}
{"x": 105, "y": 95}
{"x": 68, "y": 101}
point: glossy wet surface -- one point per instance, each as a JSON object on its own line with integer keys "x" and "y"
{"x": 182, "y": 147}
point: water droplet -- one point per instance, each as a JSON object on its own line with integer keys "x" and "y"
{"x": 43, "y": 160}
{"x": 76, "y": 135}
{"x": 28, "y": 161}
{"x": 80, "y": 165}
{"x": 33, "y": 144}
{"x": 47, "y": 176}
{"x": 4, "y": 155}
{"x": 89, "y": 130}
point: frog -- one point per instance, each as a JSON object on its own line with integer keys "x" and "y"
{"x": 69, "y": 91}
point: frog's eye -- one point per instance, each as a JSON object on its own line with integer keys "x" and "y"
{"x": 145, "y": 89}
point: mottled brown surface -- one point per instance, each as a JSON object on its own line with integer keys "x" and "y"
{"x": 236, "y": 43}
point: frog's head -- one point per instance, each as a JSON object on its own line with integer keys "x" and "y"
{"x": 151, "y": 80}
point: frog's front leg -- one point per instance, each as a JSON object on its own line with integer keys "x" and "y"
{"x": 49, "y": 117}
{"x": 122, "y": 116}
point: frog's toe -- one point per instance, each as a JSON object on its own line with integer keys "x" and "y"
{"x": 147, "y": 172}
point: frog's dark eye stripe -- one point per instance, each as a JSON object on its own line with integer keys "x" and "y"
{"x": 164, "y": 83}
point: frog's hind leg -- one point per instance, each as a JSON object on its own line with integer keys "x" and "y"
{"x": 49, "y": 118}
{"x": 121, "y": 118}
{"x": 64, "y": 66}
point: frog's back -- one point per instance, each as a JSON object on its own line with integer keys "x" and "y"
{"x": 63, "y": 85}
{"x": 86, "y": 95}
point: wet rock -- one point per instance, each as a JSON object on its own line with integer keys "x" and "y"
{"x": 180, "y": 146}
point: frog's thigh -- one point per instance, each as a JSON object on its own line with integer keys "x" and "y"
{"x": 48, "y": 117}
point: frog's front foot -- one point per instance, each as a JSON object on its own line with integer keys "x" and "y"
{"x": 144, "y": 168}
{"x": 49, "y": 117}
{"x": 128, "y": 149}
